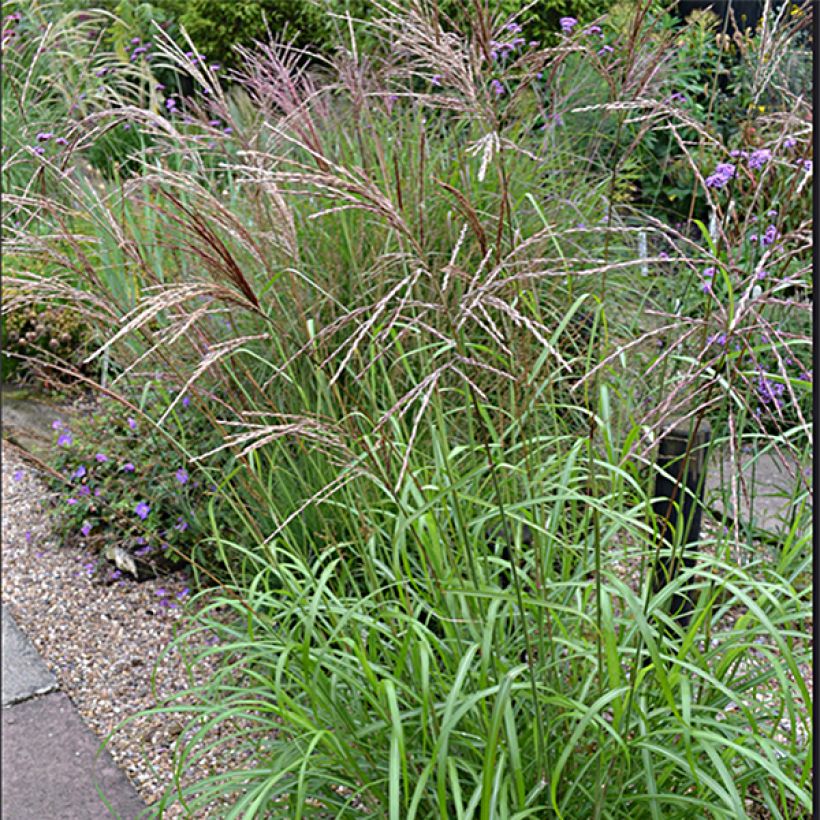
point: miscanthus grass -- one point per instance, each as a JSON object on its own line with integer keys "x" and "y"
{"x": 405, "y": 292}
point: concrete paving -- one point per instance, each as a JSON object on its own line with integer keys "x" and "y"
{"x": 773, "y": 484}
{"x": 52, "y": 766}
{"x": 24, "y": 673}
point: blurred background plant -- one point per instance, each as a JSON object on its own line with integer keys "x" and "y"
{"x": 421, "y": 312}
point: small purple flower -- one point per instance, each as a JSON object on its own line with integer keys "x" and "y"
{"x": 128, "y": 467}
{"x": 436, "y": 79}
{"x": 142, "y": 510}
{"x": 65, "y": 439}
{"x": 759, "y": 158}
{"x": 789, "y": 142}
{"x": 71, "y": 501}
{"x": 101, "y": 457}
{"x": 706, "y": 287}
{"x": 57, "y": 424}
{"x": 590, "y": 30}
{"x": 183, "y": 592}
{"x": 186, "y": 401}
{"x": 170, "y": 103}
{"x": 181, "y": 524}
{"x": 18, "y": 475}
{"x": 28, "y": 536}
{"x": 44, "y": 136}
{"x": 771, "y": 235}
{"x": 513, "y": 28}
{"x": 39, "y": 150}
{"x": 182, "y": 476}
{"x": 710, "y": 272}
{"x": 721, "y": 339}
{"x": 85, "y": 529}
{"x": 160, "y": 87}
{"x": 135, "y": 40}
{"x": 61, "y": 141}
{"x": 161, "y": 592}
{"x": 806, "y": 163}
{"x": 143, "y": 550}
{"x": 101, "y": 72}
{"x": 84, "y": 490}
{"x": 605, "y": 50}
{"x": 761, "y": 274}
{"x": 723, "y": 173}
{"x": 498, "y": 87}
{"x": 770, "y": 392}
{"x": 567, "y": 24}
{"x": 131, "y": 423}
{"x": 227, "y": 130}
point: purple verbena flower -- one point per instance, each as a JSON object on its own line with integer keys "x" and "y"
{"x": 79, "y": 472}
{"x": 128, "y": 467}
{"x": 723, "y": 173}
{"x": 71, "y": 501}
{"x": 57, "y": 424}
{"x": 84, "y": 490}
{"x": 590, "y": 30}
{"x": 44, "y": 136}
{"x": 770, "y": 236}
{"x": 513, "y": 28}
{"x": 761, "y": 274}
{"x": 18, "y": 475}
{"x": 170, "y": 103}
{"x": 101, "y": 457}
{"x": 770, "y": 392}
{"x": 759, "y": 158}
{"x": 789, "y": 142}
{"x": 182, "y": 476}
{"x": 181, "y": 524}
{"x": 567, "y": 24}
{"x": 183, "y": 592}
{"x": 142, "y": 510}
{"x": 605, "y": 50}
{"x": 61, "y": 141}
{"x": 497, "y": 87}
{"x": 85, "y": 529}
{"x": 131, "y": 423}
{"x": 65, "y": 439}
{"x": 186, "y": 401}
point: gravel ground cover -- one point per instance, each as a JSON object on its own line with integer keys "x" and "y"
{"x": 103, "y": 641}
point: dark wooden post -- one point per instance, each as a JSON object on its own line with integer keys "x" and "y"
{"x": 678, "y": 505}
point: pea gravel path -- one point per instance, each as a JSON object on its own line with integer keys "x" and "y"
{"x": 102, "y": 642}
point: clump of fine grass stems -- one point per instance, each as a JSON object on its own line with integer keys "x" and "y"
{"x": 436, "y": 348}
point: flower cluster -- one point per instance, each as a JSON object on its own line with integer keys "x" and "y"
{"x": 721, "y": 176}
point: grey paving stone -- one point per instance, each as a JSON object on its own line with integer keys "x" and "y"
{"x": 50, "y": 767}
{"x": 24, "y": 673}
{"x": 773, "y": 485}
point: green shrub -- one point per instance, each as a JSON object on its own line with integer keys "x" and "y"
{"x": 121, "y": 487}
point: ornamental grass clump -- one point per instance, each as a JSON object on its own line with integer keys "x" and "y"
{"x": 433, "y": 344}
